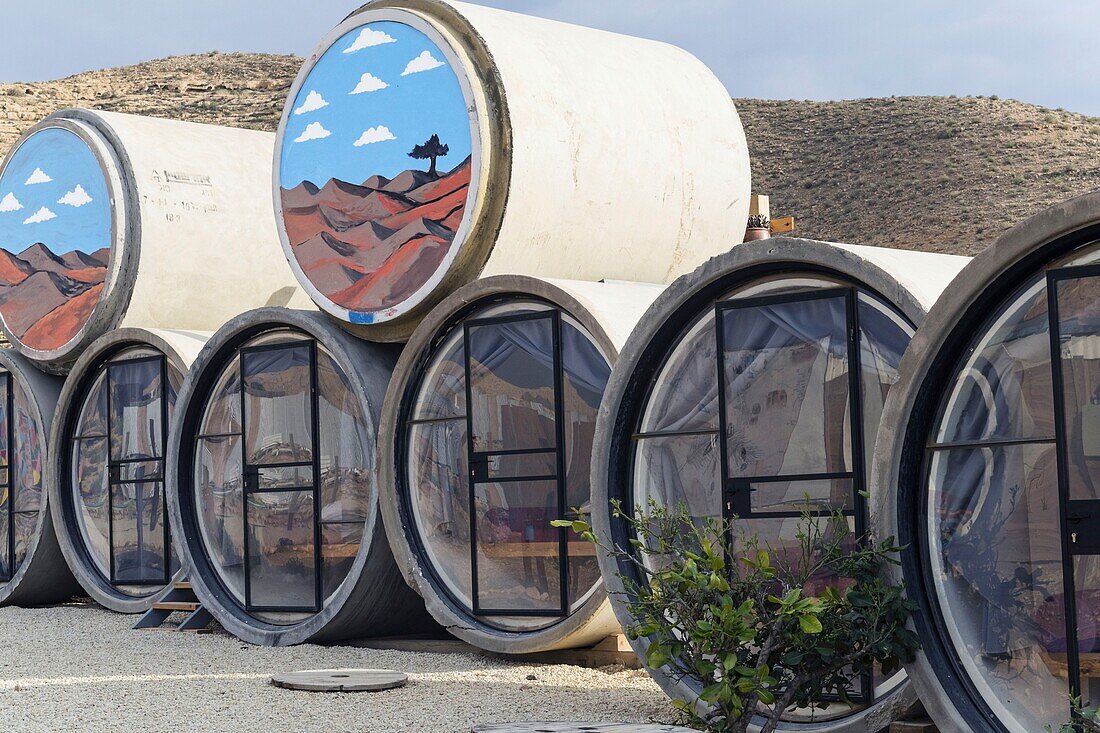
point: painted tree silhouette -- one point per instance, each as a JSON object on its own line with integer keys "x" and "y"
{"x": 430, "y": 149}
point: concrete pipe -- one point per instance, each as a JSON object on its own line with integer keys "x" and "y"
{"x": 553, "y": 151}
{"x": 32, "y": 569}
{"x": 111, "y": 220}
{"x": 106, "y": 471}
{"x": 273, "y": 492}
{"x": 992, "y": 440}
{"x": 469, "y": 492}
{"x": 735, "y": 396}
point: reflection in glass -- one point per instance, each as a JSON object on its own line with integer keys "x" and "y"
{"x": 138, "y": 533}
{"x": 90, "y": 481}
{"x": 220, "y": 508}
{"x": 346, "y": 464}
{"x": 277, "y": 405}
{"x": 339, "y": 545}
{"x": 1079, "y": 361}
{"x": 686, "y": 398}
{"x": 136, "y": 408}
{"x": 282, "y": 567}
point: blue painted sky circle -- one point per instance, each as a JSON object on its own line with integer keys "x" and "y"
{"x": 53, "y": 190}
{"x": 384, "y": 85}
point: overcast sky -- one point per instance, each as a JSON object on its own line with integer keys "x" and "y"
{"x": 1042, "y": 52}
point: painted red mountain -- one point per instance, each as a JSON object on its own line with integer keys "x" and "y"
{"x": 369, "y": 246}
{"x": 45, "y": 298}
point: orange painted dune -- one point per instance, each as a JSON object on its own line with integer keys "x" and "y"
{"x": 57, "y": 327}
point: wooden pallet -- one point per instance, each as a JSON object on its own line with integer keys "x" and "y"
{"x": 180, "y": 599}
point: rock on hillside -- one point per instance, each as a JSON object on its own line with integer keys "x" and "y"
{"x": 935, "y": 173}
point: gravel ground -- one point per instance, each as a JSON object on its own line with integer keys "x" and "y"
{"x": 82, "y": 668}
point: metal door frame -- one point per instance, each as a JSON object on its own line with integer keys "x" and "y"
{"x": 9, "y": 471}
{"x": 250, "y": 474}
{"x": 477, "y": 459}
{"x": 114, "y": 472}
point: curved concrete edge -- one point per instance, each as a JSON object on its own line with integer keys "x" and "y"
{"x": 43, "y": 577}
{"x": 178, "y": 347}
{"x": 899, "y": 454}
{"x": 867, "y": 266}
{"x": 374, "y": 600}
{"x": 602, "y": 314}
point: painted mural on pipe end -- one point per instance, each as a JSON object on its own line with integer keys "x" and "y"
{"x": 375, "y": 169}
{"x": 56, "y": 232}
{"x": 429, "y": 143}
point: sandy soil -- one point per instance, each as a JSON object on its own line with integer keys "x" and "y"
{"x": 82, "y": 668}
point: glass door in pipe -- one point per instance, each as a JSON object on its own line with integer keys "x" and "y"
{"x": 768, "y": 405}
{"x": 118, "y": 470}
{"x": 1013, "y": 512}
{"x": 20, "y": 476}
{"x": 280, "y": 477}
{"x": 499, "y": 446}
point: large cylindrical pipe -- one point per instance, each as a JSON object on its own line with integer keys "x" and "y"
{"x": 34, "y": 571}
{"x": 989, "y": 462}
{"x": 486, "y": 438}
{"x": 548, "y": 149}
{"x": 106, "y": 469}
{"x": 273, "y": 492}
{"x": 735, "y": 395}
{"x": 110, "y": 220}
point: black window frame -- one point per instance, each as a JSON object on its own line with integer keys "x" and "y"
{"x": 9, "y": 475}
{"x": 250, "y": 479}
{"x": 114, "y": 471}
{"x": 479, "y": 460}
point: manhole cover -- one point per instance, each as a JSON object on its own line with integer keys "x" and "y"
{"x": 341, "y": 680}
{"x": 579, "y": 728}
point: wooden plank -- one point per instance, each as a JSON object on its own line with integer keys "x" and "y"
{"x": 176, "y": 605}
{"x": 759, "y": 205}
{"x": 913, "y": 726}
{"x": 782, "y": 225}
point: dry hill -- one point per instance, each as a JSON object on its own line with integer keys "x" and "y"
{"x": 935, "y": 173}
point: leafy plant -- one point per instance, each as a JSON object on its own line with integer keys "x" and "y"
{"x": 1084, "y": 720}
{"x": 756, "y": 629}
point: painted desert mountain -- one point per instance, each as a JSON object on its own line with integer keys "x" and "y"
{"x": 369, "y": 245}
{"x": 45, "y": 298}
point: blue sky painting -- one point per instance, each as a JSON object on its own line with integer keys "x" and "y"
{"x": 53, "y": 191}
{"x": 378, "y": 91}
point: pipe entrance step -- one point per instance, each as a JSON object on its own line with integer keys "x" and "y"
{"x": 181, "y": 597}
{"x": 341, "y": 680}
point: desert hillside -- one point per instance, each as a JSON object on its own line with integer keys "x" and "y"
{"x": 935, "y": 173}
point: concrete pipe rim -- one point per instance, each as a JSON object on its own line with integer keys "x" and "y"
{"x": 62, "y": 509}
{"x": 17, "y": 366}
{"x": 393, "y": 501}
{"x": 190, "y": 404}
{"x": 662, "y": 324}
{"x": 491, "y": 162}
{"x": 910, "y": 413}
{"x": 125, "y": 243}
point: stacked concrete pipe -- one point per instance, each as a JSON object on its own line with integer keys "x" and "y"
{"x": 37, "y": 571}
{"x": 904, "y": 284}
{"x": 123, "y": 220}
{"x": 92, "y": 562}
{"x": 542, "y": 123}
{"x": 370, "y": 598}
{"x": 600, "y": 315}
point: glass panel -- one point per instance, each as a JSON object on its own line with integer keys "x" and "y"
{"x": 223, "y": 411}
{"x": 285, "y": 477}
{"x": 1004, "y": 390}
{"x": 278, "y": 415}
{"x": 523, "y": 465}
{"x": 93, "y": 413}
{"x": 25, "y": 525}
{"x": 220, "y": 508}
{"x": 137, "y": 533}
{"x": 787, "y": 402}
{"x": 339, "y": 545}
{"x": 780, "y": 538}
{"x": 136, "y": 408}
{"x": 5, "y": 434}
{"x": 823, "y": 495}
{"x": 518, "y": 566}
{"x": 346, "y": 461}
{"x": 1087, "y": 592}
{"x": 282, "y": 556}
{"x": 29, "y": 443}
{"x": 685, "y": 393}
{"x": 1079, "y": 352}
{"x": 512, "y": 385}
{"x": 439, "y": 488}
{"x": 442, "y": 392}
{"x": 6, "y": 568}
{"x": 139, "y": 471}
{"x": 884, "y": 336}
{"x": 681, "y": 468}
{"x": 90, "y": 481}
{"x": 997, "y": 564}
